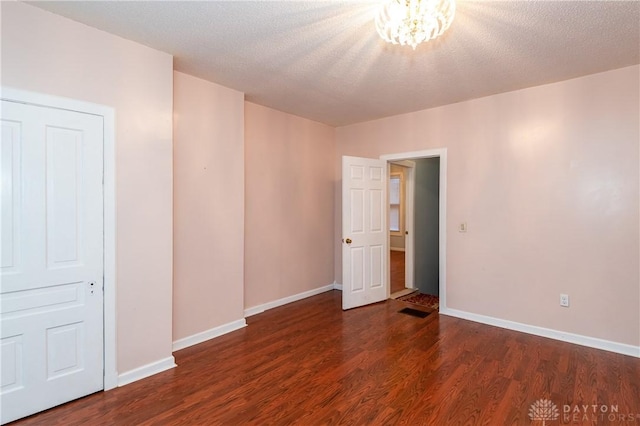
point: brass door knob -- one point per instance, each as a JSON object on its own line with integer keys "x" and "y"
{"x": 348, "y": 241}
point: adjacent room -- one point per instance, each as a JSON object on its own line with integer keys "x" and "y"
{"x": 320, "y": 212}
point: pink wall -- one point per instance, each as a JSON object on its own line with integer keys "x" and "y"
{"x": 547, "y": 180}
{"x": 289, "y": 171}
{"x": 46, "y": 53}
{"x": 208, "y": 232}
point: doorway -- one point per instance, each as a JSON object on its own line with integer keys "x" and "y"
{"x": 401, "y": 214}
{"x": 422, "y": 253}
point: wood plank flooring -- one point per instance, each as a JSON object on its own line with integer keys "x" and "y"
{"x": 310, "y": 363}
{"x": 397, "y": 271}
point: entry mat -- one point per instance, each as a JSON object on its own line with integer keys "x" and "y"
{"x": 427, "y": 300}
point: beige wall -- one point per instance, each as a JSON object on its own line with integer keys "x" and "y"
{"x": 289, "y": 172}
{"x": 208, "y": 232}
{"x": 46, "y": 53}
{"x": 547, "y": 180}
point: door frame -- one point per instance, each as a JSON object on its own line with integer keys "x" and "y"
{"x": 442, "y": 209}
{"x": 110, "y": 372}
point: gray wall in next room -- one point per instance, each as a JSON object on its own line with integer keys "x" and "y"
{"x": 426, "y": 225}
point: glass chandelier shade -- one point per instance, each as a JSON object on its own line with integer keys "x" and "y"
{"x": 411, "y": 22}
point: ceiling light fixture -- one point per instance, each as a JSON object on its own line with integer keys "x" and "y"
{"x": 410, "y": 22}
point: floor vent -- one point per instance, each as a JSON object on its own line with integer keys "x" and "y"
{"x": 414, "y": 312}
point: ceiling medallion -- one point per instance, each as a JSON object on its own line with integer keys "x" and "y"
{"x": 411, "y": 22}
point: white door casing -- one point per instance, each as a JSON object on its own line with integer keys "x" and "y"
{"x": 365, "y": 247}
{"x": 410, "y": 227}
{"x": 51, "y": 290}
{"x": 442, "y": 154}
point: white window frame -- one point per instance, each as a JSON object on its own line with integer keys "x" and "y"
{"x": 402, "y": 203}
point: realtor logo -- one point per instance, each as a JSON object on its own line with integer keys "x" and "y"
{"x": 543, "y": 409}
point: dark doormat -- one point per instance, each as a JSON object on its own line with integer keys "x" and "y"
{"x": 426, "y": 300}
{"x": 414, "y": 312}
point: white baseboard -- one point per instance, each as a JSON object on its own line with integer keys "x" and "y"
{"x": 337, "y": 286}
{"x": 592, "y": 342}
{"x": 146, "y": 370}
{"x": 270, "y": 305}
{"x": 203, "y": 336}
{"x": 397, "y": 248}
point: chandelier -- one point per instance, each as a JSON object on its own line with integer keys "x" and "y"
{"x": 410, "y": 22}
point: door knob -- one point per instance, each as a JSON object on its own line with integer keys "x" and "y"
{"x": 348, "y": 241}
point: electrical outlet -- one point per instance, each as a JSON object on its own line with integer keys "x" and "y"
{"x": 564, "y": 300}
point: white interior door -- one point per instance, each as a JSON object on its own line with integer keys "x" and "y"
{"x": 51, "y": 271}
{"x": 365, "y": 248}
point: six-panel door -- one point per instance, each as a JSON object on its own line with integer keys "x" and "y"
{"x": 364, "y": 230}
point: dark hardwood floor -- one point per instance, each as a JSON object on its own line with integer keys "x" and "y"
{"x": 397, "y": 272}
{"x": 310, "y": 363}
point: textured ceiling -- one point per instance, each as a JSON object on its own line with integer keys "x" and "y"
{"x": 323, "y": 59}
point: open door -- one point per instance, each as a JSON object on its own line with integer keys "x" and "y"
{"x": 364, "y": 231}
